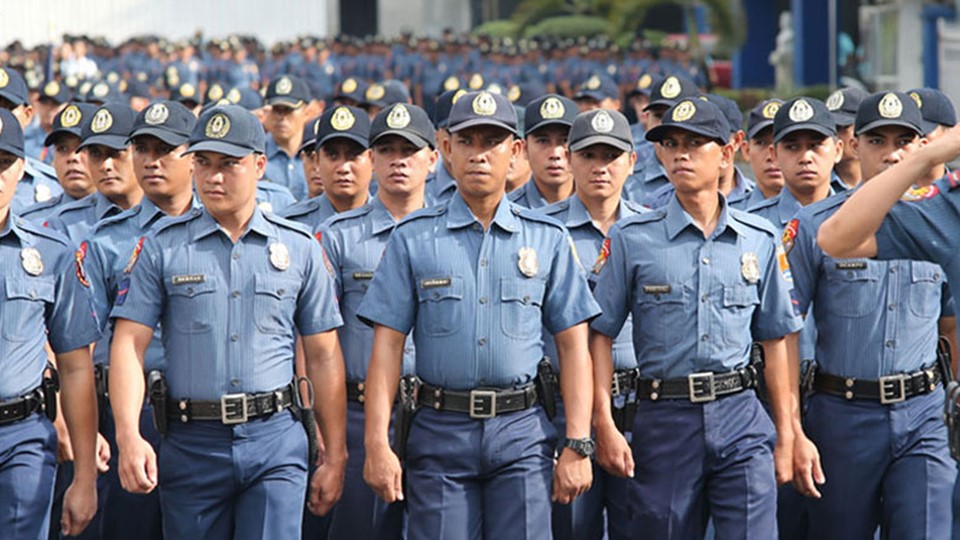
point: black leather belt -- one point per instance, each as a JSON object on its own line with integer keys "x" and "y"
{"x": 480, "y": 403}
{"x": 232, "y": 408}
{"x": 887, "y": 390}
{"x": 700, "y": 387}
{"x": 17, "y": 409}
{"x": 355, "y": 391}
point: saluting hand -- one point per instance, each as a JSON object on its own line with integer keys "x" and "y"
{"x": 383, "y": 473}
{"x": 138, "y": 466}
{"x": 572, "y": 477}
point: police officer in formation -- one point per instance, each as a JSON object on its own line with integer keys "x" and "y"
{"x": 223, "y": 324}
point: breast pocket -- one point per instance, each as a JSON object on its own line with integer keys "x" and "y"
{"x": 852, "y": 291}
{"x": 193, "y": 307}
{"x": 440, "y": 309}
{"x": 355, "y": 285}
{"x": 23, "y": 311}
{"x": 926, "y": 286}
{"x": 739, "y": 303}
{"x": 521, "y": 301}
{"x": 659, "y": 318}
{"x": 274, "y": 303}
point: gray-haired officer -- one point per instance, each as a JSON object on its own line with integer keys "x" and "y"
{"x": 341, "y": 157}
{"x": 402, "y": 144}
{"x": 547, "y": 122}
{"x": 478, "y": 279}
{"x": 45, "y": 301}
{"x": 601, "y": 159}
{"x": 699, "y": 430}
{"x": 232, "y": 287}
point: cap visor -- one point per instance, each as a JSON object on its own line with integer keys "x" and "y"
{"x": 928, "y": 126}
{"x": 173, "y": 139}
{"x": 758, "y": 127}
{"x": 826, "y": 132}
{"x": 544, "y": 123}
{"x": 659, "y": 103}
{"x": 117, "y": 142}
{"x": 843, "y": 119}
{"x": 481, "y": 121}
{"x": 885, "y": 122}
{"x": 10, "y": 149}
{"x": 658, "y": 133}
{"x": 12, "y": 98}
{"x": 589, "y": 94}
{"x": 219, "y": 147}
{"x": 55, "y": 134}
{"x": 286, "y": 102}
{"x": 609, "y": 140}
{"x": 413, "y": 138}
{"x": 308, "y": 144}
{"x": 345, "y": 135}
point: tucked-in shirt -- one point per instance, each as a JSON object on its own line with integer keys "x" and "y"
{"x": 478, "y": 300}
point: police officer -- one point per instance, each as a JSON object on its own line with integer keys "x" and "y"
{"x": 402, "y": 144}
{"x": 703, "y": 430}
{"x": 341, "y": 158}
{"x": 441, "y": 184}
{"x": 39, "y": 182}
{"x": 287, "y": 97}
{"x": 757, "y": 150}
{"x": 844, "y": 104}
{"x": 69, "y": 162}
{"x": 230, "y": 286}
{"x": 876, "y": 414}
{"x": 104, "y": 138}
{"x": 939, "y": 115}
{"x": 45, "y": 301}
{"x": 478, "y": 278}
{"x": 54, "y": 97}
{"x": 598, "y": 91}
{"x": 158, "y": 138}
{"x": 601, "y": 159}
{"x": 547, "y": 122}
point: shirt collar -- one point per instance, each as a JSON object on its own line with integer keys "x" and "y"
{"x": 259, "y": 224}
{"x": 534, "y": 198}
{"x": 102, "y": 206}
{"x": 272, "y": 148}
{"x": 787, "y": 206}
{"x": 577, "y": 214}
{"x": 460, "y": 215}
{"x": 380, "y": 217}
{"x": 444, "y": 180}
{"x": 742, "y": 187}
{"x": 150, "y": 213}
{"x": 678, "y": 219}
{"x": 13, "y": 227}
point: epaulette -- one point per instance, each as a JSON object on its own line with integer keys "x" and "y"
{"x": 111, "y": 220}
{"x": 534, "y": 215}
{"x": 825, "y": 205}
{"x": 301, "y": 208}
{"x": 43, "y": 205}
{"x": 646, "y": 217}
{"x": 288, "y": 224}
{"x": 45, "y": 232}
{"x": 432, "y": 211}
{"x": 754, "y": 221}
{"x": 516, "y": 194}
{"x": 79, "y": 204}
{"x": 35, "y": 166}
{"x": 167, "y": 222}
{"x": 765, "y": 203}
{"x": 555, "y": 208}
{"x": 349, "y": 214}
{"x": 636, "y": 207}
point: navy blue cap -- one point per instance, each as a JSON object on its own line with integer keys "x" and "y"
{"x": 696, "y": 116}
{"x": 214, "y": 93}
{"x": 482, "y": 109}
{"x": 352, "y": 89}
{"x": 444, "y": 103}
{"x": 227, "y": 129}
{"x": 522, "y": 94}
{"x": 109, "y": 126}
{"x": 346, "y": 122}
{"x": 761, "y": 116}
{"x": 403, "y": 120}
{"x": 186, "y": 93}
{"x": 309, "y": 139}
{"x": 671, "y": 90}
{"x": 12, "y": 86}
{"x": 11, "y": 134}
{"x": 645, "y": 84}
{"x": 288, "y": 91}
{"x": 600, "y": 126}
{"x": 103, "y": 92}
{"x": 936, "y": 107}
{"x": 888, "y": 109}
{"x": 56, "y": 92}
{"x": 803, "y": 113}
{"x": 170, "y": 121}
{"x": 247, "y": 98}
{"x": 451, "y": 83}
{"x": 598, "y": 87}
{"x": 137, "y": 88}
{"x": 550, "y": 109}
{"x": 730, "y": 110}
{"x": 70, "y": 120}
{"x": 844, "y": 104}
{"x": 386, "y": 93}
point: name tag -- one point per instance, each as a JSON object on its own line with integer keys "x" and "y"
{"x": 360, "y": 276}
{"x": 435, "y": 282}
{"x": 185, "y": 280}
{"x": 852, "y": 265}
{"x": 657, "y": 289}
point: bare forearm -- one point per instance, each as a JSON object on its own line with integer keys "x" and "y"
{"x": 130, "y": 342}
{"x": 601, "y": 352}
{"x": 325, "y": 369}
{"x": 383, "y": 376}
{"x": 782, "y": 387}
{"x": 80, "y": 410}
{"x": 576, "y": 376}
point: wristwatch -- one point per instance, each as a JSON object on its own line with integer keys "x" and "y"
{"x": 584, "y": 447}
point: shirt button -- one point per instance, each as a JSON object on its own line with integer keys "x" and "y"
{"x": 281, "y": 291}
{"x": 482, "y": 341}
{"x": 483, "y": 299}
{"x": 893, "y": 269}
{"x": 235, "y": 294}
{"x": 890, "y": 343}
{"x": 705, "y": 260}
{"x": 483, "y": 263}
{"x": 236, "y": 256}
{"x": 234, "y": 383}
{"x": 705, "y": 337}
{"x": 892, "y": 307}
{"x": 703, "y": 298}
{"x": 235, "y": 337}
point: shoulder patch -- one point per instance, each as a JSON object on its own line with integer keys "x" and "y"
{"x": 602, "y": 256}
{"x": 916, "y": 194}
{"x": 79, "y": 257}
{"x": 134, "y": 257}
{"x": 784, "y": 264}
{"x": 789, "y": 235}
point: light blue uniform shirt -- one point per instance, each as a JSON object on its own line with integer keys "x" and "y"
{"x": 39, "y": 212}
{"x": 310, "y": 212}
{"x": 739, "y": 196}
{"x": 875, "y": 318}
{"x": 647, "y": 178}
{"x": 697, "y": 303}
{"x": 285, "y": 170}
{"x": 273, "y": 197}
{"x": 354, "y": 241}
{"x": 528, "y": 196}
{"x": 478, "y": 301}
{"x": 440, "y": 187}
{"x": 52, "y": 305}
{"x": 39, "y": 183}
{"x": 230, "y": 312}
{"x": 75, "y": 219}
{"x": 589, "y": 240}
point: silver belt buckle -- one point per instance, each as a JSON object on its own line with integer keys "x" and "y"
{"x": 229, "y": 405}
{"x": 898, "y": 386}
{"x": 701, "y": 387}
{"x": 483, "y": 404}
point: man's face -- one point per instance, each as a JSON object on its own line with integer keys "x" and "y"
{"x": 11, "y": 171}
{"x": 71, "y": 165}
{"x": 600, "y": 170}
{"x": 285, "y": 122}
{"x": 807, "y": 159}
{"x": 161, "y": 169}
{"x": 345, "y": 168}
{"x": 227, "y": 184}
{"x": 311, "y": 171}
{"x": 846, "y": 135}
{"x": 884, "y": 147}
{"x": 546, "y": 151}
{"x": 693, "y": 161}
{"x": 48, "y": 109}
{"x": 758, "y": 152}
{"x": 112, "y": 170}
{"x": 480, "y": 159}
{"x": 24, "y": 113}
{"x": 401, "y": 167}
{"x": 653, "y": 117}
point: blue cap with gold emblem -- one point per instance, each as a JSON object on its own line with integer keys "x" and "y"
{"x": 761, "y": 116}
{"x": 483, "y": 109}
{"x": 696, "y": 116}
{"x": 13, "y": 87}
{"x": 109, "y": 126}
{"x": 344, "y": 121}
{"x": 444, "y": 103}
{"x": 598, "y": 87}
{"x": 169, "y": 121}
{"x": 671, "y": 90}
{"x": 803, "y": 114}
{"x": 11, "y": 135}
{"x": 936, "y": 107}
{"x": 403, "y": 120}
{"x": 888, "y": 109}
{"x": 69, "y": 121}
{"x": 600, "y": 126}
{"x": 227, "y": 129}
{"x": 56, "y": 92}
{"x": 287, "y": 91}
{"x": 844, "y": 104}
{"x": 548, "y": 110}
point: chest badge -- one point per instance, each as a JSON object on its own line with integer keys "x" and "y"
{"x": 750, "y": 267}
{"x": 31, "y": 261}
{"x": 42, "y": 193}
{"x": 279, "y": 256}
{"x": 528, "y": 264}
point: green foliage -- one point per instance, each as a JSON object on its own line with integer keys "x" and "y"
{"x": 501, "y": 29}
{"x": 569, "y": 26}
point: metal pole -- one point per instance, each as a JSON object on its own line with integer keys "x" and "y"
{"x": 832, "y": 28}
